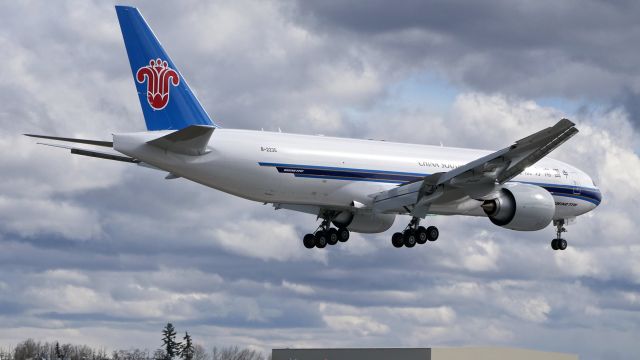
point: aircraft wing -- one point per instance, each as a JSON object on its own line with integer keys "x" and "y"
{"x": 478, "y": 178}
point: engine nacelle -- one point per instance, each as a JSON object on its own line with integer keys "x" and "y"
{"x": 364, "y": 223}
{"x": 521, "y": 207}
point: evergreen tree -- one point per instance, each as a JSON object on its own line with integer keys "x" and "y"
{"x": 187, "y": 351}
{"x": 171, "y": 347}
{"x": 58, "y": 351}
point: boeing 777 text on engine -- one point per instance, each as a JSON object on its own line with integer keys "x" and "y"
{"x": 349, "y": 184}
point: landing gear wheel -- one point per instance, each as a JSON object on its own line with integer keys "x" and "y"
{"x": 309, "y": 241}
{"x": 432, "y": 233}
{"x": 320, "y": 239}
{"x": 562, "y": 244}
{"x": 332, "y": 236}
{"x": 559, "y": 243}
{"x": 397, "y": 240}
{"x": 409, "y": 238}
{"x": 343, "y": 234}
{"x": 421, "y": 235}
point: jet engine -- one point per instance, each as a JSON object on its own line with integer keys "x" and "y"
{"x": 363, "y": 222}
{"x": 521, "y": 207}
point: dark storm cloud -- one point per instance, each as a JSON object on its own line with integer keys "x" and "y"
{"x": 488, "y": 24}
{"x": 574, "y": 49}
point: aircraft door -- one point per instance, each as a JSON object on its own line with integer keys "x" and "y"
{"x": 575, "y": 187}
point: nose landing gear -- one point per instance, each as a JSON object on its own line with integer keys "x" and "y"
{"x": 559, "y": 243}
{"x": 414, "y": 234}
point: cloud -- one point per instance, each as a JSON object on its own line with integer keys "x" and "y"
{"x": 298, "y": 288}
{"x": 107, "y": 253}
{"x": 355, "y": 325}
{"x": 250, "y": 238}
{"x": 528, "y": 49}
{"x": 64, "y": 219}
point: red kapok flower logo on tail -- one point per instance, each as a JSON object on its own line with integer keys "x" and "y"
{"x": 159, "y": 77}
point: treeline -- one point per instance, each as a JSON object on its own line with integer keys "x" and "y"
{"x": 171, "y": 350}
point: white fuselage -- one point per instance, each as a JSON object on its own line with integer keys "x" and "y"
{"x": 328, "y": 172}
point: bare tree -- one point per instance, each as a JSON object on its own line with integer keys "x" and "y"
{"x": 131, "y": 354}
{"x": 199, "y": 352}
{"x": 33, "y": 350}
{"x": 159, "y": 354}
{"x": 236, "y": 353}
{"x": 6, "y": 354}
{"x": 27, "y": 350}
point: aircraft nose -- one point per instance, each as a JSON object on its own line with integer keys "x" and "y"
{"x": 596, "y": 194}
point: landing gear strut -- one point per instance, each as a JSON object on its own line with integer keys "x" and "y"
{"x": 559, "y": 243}
{"x": 414, "y": 234}
{"x": 325, "y": 235}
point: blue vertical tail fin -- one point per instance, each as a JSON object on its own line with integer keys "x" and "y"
{"x": 167, "y": 101}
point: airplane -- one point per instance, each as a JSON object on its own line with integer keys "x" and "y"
{"x": 350, "y": 185}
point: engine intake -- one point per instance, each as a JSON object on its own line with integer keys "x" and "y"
{"x": 521, "y": 207}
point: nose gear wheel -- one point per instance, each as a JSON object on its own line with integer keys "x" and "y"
{"x": 559, "y": 243}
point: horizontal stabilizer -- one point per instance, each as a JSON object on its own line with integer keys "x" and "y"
{"x": 101, "y": 155}
{"x": 79, "y": 141}
{"x": 192, "y": 140}
{"x": 95, "y": 154}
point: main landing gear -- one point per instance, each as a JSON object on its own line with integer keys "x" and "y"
{"x": 559, "y": 243}
{"x": 325, "y": 235}
{"x": 414, "y": 234}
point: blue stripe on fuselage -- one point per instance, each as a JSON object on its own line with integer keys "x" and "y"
{"x": 398, "y": 177}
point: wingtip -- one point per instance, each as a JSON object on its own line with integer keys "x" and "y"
{"x": 33, "y": 135}
{"x": 567, "y": 122}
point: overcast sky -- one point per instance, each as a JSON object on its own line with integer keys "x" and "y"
{"x": 105, "y": 253}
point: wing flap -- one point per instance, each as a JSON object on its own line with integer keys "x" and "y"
{"x": 397, "y": 197}
{"x": 408, "y": 194}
